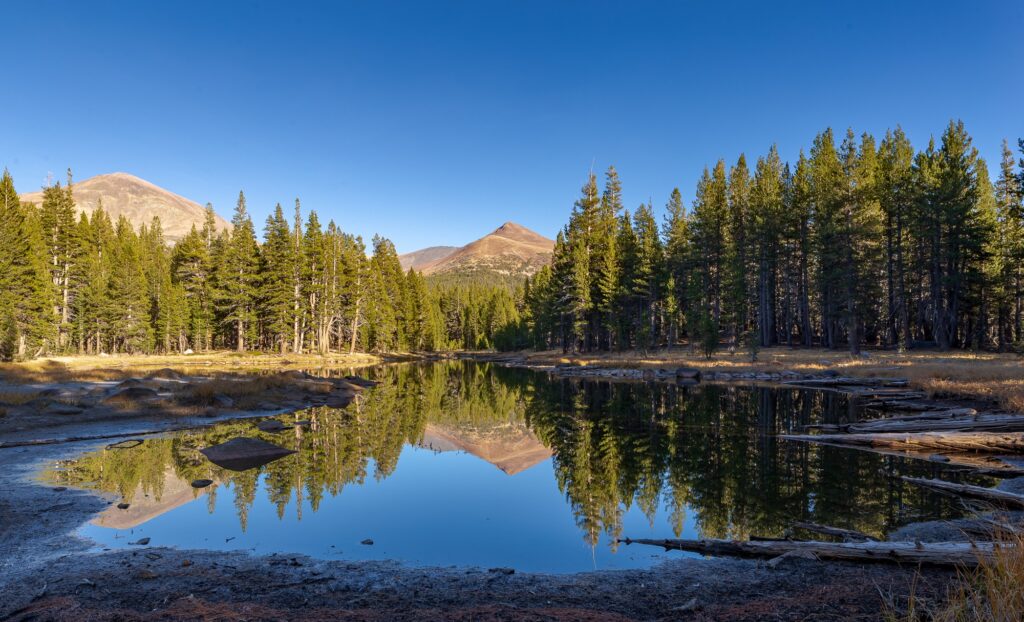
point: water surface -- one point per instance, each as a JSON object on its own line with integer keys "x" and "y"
{"x": 471, "y": 464}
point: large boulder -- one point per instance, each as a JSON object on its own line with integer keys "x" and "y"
{"x": 244, "y": 453}
{"x": 129, "y": 395}
{"x": 165, "y": 374}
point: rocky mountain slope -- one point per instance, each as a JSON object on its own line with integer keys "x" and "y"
{"x": 511, "y": 250}
{"x": 138, "y": 201}
{"x": 418, "y": 259}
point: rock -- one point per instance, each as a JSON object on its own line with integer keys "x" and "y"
{"x": 244, "y": 453}
{"x": 367, "y": 542}
{"x": 129, "y": 396}
{"x": 362, "y": 382}
{"x": 145, "y": 574}
{"x": 502, "y": 570}
{"x": 188, "y": 351}
{"x": 141, "y": 542}
{"x": 338, "y": 401}
{"x": 317, "y": 386}
{"x": 688, "y": 373}
{"x": 345, "y": 385}
{"x": 60, "y": 488}
{"x": 295, "y": 374}
{"x": 123, "y": 506}
{"x": 59, "y": 408}
{"x": 222, "y": 401}
{"x": 125, "y": 444}
{"x": 153, "y": 556}
{"x": 165, "y": 374}
{"x": 185, "y": 563}
{"x": 201, "y": 483}
{"x": 271, "y": 425}
{"x": 690, "y": 605}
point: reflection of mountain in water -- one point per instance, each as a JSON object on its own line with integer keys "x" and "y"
{"x": 145, "y": 506}
{"x": 511, "y": 447}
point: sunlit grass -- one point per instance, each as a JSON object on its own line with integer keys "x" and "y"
{"x": 998, "y": 377}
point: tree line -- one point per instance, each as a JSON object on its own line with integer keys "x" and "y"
{"x": 858, "y": 244}
{"x": 90, "y": 285}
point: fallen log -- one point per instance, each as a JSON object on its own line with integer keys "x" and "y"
{"x": 984, "y": 442}
{"x": 993, "y": 496}
{"x": 848, "y": 535}
{"x": 964, "y": 423}
{"x": 965, "y": 554}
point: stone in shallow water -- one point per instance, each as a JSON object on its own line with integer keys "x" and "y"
{"x": 201, "y": 483}
{"x": 123, "y": 506}
{"x": 244, "y": 453}
{"x": 271, "y": 425}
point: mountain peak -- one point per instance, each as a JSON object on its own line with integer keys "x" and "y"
{"x": 138, "y": 200}
{"x": 511, "y": 250}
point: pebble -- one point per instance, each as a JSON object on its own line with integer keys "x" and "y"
{"x": 123, "y": 506}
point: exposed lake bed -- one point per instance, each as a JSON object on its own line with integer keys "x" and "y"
{"x": 442, "y": 450}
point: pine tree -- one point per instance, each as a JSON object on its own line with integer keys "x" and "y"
{"x": 277, "y": 269}
{"x": 238, "y": 278}
{"x": 676, "y": 232}
{"x": 57, "y": 221}
{"x": 1009, "y": 254}
{"x": 24, "y": 278}
{"x": 128, "y": 293}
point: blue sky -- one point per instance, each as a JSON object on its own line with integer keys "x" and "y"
{"x": 433, "y": 123}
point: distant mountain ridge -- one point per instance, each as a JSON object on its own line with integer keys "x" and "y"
{"x": 139, "y": 201}
{"x": 425, "y": 256}
{"x": 509, "y": 251}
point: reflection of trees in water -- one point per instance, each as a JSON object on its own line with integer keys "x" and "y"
{"x": 338, "y": 448}
{"x": 712, "y": 449}
{"x": 709, "y": 450}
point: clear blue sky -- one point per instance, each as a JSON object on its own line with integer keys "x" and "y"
{"x": 434, "y": 122}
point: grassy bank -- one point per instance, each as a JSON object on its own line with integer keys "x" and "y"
{"x": 999, "y": 377}
{"x": 116, "y": 367}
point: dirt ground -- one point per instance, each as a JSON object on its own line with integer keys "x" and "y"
{"x": 49, "y": 573}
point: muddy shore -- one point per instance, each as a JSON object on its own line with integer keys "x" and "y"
{"x": 49, "y": 573}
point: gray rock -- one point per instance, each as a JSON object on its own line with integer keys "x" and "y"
{"x": 129, "y": 396}
{"x": 140, "y": 542}
{"x": 502, "y": 570}
{"x": 271, "y": 425}
{"x": 368, "y": 542}
{"x": 222, "y": 401}
{"x": 123, "y": 506}
{"x": 244, "y": 453}
{"x": 201, "y": 483}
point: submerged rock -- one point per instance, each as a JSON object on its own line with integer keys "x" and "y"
{"x": 368, "y": 542}
{"x": 123, "y": 506}
{"x": 271, "y": 425}
{"x": 201, "y": 483}
{"x": 141, "y": 542}
{"x": 244, "y": 453}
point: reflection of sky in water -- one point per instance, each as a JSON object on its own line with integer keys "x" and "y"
{"x": 436, "y": 509}
{"x": 625, "y": 455}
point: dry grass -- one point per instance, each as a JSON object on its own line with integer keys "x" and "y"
{"x": 990, "y": 593}
{"x": 249, "y": 391}
{"x": 16, "y": 398}
{"x": 997, "y": 377}
{"x": 119, "y": 367}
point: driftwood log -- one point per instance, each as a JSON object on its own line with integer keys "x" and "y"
{"x": 960, "y": 420}
{"x": 966, "y": 554}
{"x": 848, "y": 535}
{"x": 985, "y": 442}
{"x": 992, "y": 496}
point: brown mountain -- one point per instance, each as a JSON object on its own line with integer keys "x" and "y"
{"x": 511, "y": 250}
{"x": 138, "y": 201}
{"x": 417, "y": 259}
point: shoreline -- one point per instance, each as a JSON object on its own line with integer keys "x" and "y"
{"x": 47, "y": 568}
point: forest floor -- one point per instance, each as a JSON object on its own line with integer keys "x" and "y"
{"x": 47, "y": 572}
{"x": 985, "y": 376}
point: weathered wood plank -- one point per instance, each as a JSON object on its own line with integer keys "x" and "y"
{"x": 984, "y": 442}
{"x": 996, "y": 497}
